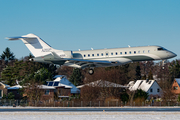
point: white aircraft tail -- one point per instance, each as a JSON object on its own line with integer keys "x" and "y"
{"x": 35, "y": 44}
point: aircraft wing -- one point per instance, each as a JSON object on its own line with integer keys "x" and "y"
{"x": 84, "y": 63}
{"x": 80, "y": 63}
{"x": 87, "y": 61}
{"x": 80, "y": 60}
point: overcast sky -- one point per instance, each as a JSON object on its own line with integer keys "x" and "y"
{"x": 86, "y": 24}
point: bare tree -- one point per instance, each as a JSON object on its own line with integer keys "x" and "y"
{"x": 64, "y": 70}
{"x": 33, "y": 91}
{"x": 89, "y": 93}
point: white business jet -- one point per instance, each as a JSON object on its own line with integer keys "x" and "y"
{"x": 91, "y": 58}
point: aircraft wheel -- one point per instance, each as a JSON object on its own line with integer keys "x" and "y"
{"x": 91, "y": 71}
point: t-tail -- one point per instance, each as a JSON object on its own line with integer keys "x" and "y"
{"x": 35, "y": 44}
{"x": 41, "y": 49}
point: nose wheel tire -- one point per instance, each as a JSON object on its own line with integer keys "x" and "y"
{"x": 91, "y": 71}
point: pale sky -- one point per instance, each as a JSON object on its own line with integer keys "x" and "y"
{"x": 86, "y": 24}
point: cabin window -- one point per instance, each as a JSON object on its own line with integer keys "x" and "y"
{"x": 143, "y": 51}
{"x": 106, "y": 53}
{"x": 101, "y": 54}
{"x": 93, "y": 55}
{"x": 84, "y": 55}
{"x": 111, "y": 53}
{"x": 125, "y": 52}
{"x": 120, "y": 53}
{"x": 129, "y": 52}
{"x": 158, "y": 90}
{"x": 116, "y": 53}
{"x": 88, "y": 55}
{"x": 134, "y": 52}
{"x": 47, "y": 92}
{"x": 151, "y": 90}
{"x": 98, "y": 54}
{"x": 139, "y": 52}
{"x": 148, "y": 51}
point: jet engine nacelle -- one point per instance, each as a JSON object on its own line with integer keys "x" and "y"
{"x": 68, "y": 54}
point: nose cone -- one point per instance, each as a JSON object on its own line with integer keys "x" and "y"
{"x": 174, "y": 55}
{"x": 171, "y": 55}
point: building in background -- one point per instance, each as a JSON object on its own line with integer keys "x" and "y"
{"x": 16, "y": 90}
{"x": 63, "y": 88}
{"x": 3, "y": 89}
{"x": 149, "y": 86}
{"x": 176, "y": 86}
{"x": 102, "y": 83}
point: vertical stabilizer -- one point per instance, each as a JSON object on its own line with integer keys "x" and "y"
{"x": 35, "y": 44}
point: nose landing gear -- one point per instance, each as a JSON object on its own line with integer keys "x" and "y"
{"x": 163, "y": 63}
{"x": 91, "y": 71}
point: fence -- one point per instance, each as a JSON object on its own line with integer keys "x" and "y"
{"x": 25, "y": 103}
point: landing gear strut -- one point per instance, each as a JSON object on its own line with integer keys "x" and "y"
{"x": 91, "y": 71}
{"x": 163, "y": 63}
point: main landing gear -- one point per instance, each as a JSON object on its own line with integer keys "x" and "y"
{"x": 91, "y": 71}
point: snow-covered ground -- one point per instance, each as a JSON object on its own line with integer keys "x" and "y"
{"x": 89, "y": 115}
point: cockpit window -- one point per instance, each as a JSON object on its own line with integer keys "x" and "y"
{"x": 161, "y": 48}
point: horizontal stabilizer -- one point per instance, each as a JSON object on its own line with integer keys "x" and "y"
{"x": 18, "y": 38}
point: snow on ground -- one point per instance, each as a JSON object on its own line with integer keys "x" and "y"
{"x": 89, "y": 115}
